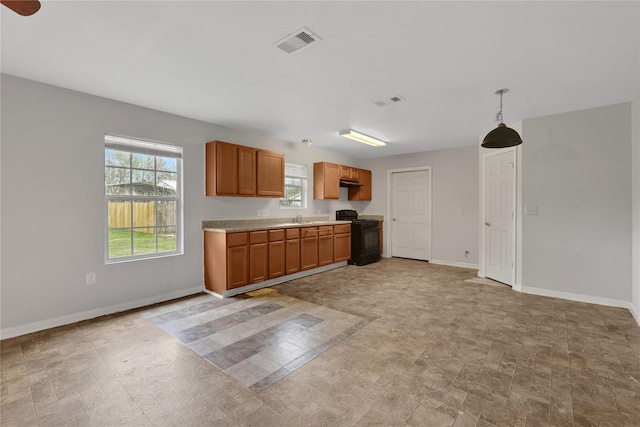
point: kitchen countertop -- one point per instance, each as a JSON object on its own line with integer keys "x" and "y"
{"x": 251, "y": 224}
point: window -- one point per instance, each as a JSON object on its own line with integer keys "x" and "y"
{"x": 295, "y": 186}
{"x": 143, "y": 200}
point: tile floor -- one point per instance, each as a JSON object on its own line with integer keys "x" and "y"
{"x": 258, "y": 338}
{"x": 394, "y": 343}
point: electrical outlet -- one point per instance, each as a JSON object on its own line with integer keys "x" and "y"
{"x": 259, "y": 212}
{"x": 91, "y": 278}
{"x": 265, "y": 212}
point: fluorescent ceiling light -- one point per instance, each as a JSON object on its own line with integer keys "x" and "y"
{"x": 361, "y": 137}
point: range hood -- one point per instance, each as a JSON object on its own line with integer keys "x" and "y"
{"x": 345, "y": 182}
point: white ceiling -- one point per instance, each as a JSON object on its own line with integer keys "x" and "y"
{"x": 216, "y": 61}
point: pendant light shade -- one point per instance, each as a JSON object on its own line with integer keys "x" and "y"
{"x": 502, "y": 136}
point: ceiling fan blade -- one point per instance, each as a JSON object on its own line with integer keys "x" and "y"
{"x": 22, "y": 7}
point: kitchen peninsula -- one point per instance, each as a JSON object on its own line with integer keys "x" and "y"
{"x": 241, "y": 255}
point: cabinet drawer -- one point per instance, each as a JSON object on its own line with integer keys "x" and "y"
{"x": 257, "y": 237}
{"x": 292, "y": 233}
{"x": 309, "y": 232}
{"x": 237, "y": 239}
{"x": 275, "y": 235}
{"x": 325, "y": 230}
{"x": 342, "y": 228}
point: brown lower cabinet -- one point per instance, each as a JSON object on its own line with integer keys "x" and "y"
{"x": 292, "y": 250}
{"x": 325, "y": 245}
{"x": 226, "y": 261}
{"x": 232, "y": 260}
{"x": 276, "y": 254}
{"x": 342, "y": 242}
{"x": 258, "y": 256}
{"x": 308, "y": 248}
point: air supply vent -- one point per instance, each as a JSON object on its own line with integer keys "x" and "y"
{"x": 389, "y": 101}
{"x": 297, "y": 40}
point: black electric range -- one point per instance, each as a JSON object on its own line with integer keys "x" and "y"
{"x": 365, "y": 237}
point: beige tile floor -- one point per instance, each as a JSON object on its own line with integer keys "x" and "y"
{"x": 436, "y": 347}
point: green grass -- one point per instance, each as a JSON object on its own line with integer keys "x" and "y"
{"x": 144, "y": 243}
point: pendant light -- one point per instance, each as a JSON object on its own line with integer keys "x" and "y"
{"x": 502, "y": 136}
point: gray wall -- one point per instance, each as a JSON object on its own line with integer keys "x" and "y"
{"x": 454, "y": 197}
{"x": 52, "y": 183}
{"x": 576, "y": 169}
{"x": 635, "y": 259}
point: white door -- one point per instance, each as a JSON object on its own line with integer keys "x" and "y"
{"x": 411, "y": 214}
{"x": 499, "y": 216}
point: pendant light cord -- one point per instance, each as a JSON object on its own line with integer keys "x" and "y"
{"x": 499, "y": 117}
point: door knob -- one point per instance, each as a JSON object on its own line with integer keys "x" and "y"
{"x": 488, "y": 224}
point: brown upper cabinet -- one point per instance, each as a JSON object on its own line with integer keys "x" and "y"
{"x": 327, "y": 177}
{"x": 270, "y": 173}
{"x": 349, "y": 173}
{"x": 326, "y": 181}
{"x": 363, "y": 191}
{"x": 222, "y": 169}
{"x": 236, "y": 170}
{"x": 246, "y": 171}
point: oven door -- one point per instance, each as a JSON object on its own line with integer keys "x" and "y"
{"x": 365, "y": 244}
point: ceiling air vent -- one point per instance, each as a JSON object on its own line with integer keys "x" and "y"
{"x": 389, "y": 101}
{"x": 297, "y": 40}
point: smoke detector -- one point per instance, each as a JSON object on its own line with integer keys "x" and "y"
{"x": 297, "y": 40}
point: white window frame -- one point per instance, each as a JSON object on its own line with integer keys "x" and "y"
{"x": 147, "y": 147}
{"x": 295, "y": 171}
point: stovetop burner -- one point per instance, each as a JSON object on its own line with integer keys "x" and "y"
{"x": 346, "y": 215}
{"x": 351, "y": 215}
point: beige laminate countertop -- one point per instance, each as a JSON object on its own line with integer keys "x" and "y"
{"x": 239, "y": 225}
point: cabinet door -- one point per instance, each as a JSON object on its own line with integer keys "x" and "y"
{"x": 325, "y": 250}
{"x": 308, "y": 248}
{"x": 258, "y": 267}
{"x": 345, "y": 172}
{"x": 246, "y": 171}
{"x": 326, "y": 181}
{"x": 342, "y": 247}
{"x": 354, "y": 174}
{"x": 221, "y": 169}
{"x": 237, "y": 266}
{"x": 365, "y": 189}
{"x": 270, "y": 172}
{"x": 276, "y": 259}
{"x": 293, "y": 256}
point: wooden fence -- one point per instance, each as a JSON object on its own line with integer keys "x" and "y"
{"x": 144, "y": 215}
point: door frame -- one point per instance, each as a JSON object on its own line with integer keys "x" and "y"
{"x": 516, "y": 244}
{"x": 388, "y": 224}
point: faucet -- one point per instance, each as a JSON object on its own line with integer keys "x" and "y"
{"x": 299, "y": 217}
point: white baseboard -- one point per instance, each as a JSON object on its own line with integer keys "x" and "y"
{"x": 41, "y": 325}
{"x": 454, "y": 263}
{"x": 582, "y": 298}
{"x": 635, "y": 312}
